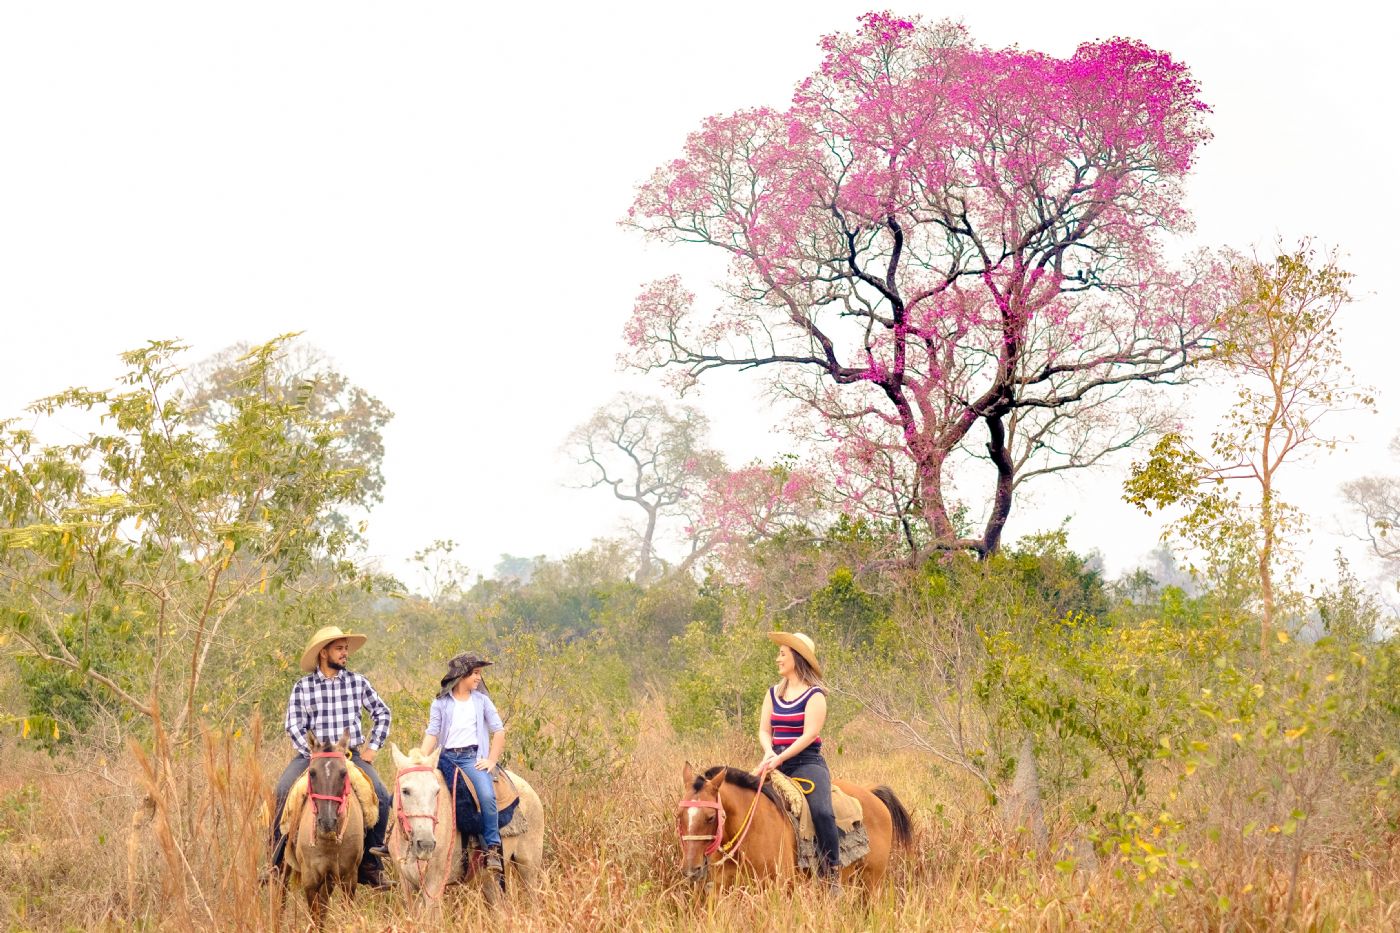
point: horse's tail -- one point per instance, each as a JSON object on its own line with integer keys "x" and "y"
{"x": 900, "y": 820}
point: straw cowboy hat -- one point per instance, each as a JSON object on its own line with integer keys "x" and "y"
{"x": 324, "y": 636}
{"x": 799, "y": 643}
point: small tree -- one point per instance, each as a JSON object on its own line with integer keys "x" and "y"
{"x": 1279, "y": 340}
{"x": 125, "y": 555}
{"x": 650, "y": 455}
{"x": 301, "y": 373}
{"x": 1377, "y": 500}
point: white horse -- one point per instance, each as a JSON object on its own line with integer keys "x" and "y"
{"x": 423, "y": 838}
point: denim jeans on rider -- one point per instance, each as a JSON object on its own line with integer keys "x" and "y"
{"x": 465, "y": 763}
{"x": 810, "y": 764}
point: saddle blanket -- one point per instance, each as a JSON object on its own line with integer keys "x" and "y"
{"x": 854, "y": 840}
{"x": 511, "y": 819}
{"x": 296, "y": 799}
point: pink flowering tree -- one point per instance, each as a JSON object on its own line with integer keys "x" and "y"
{"x": 740, "y": 508}
{"x": 946, "y": 254}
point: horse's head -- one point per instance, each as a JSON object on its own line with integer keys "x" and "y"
{"x": 700, "y": 819}
{"x": 329, "y": 781}
{"x": 417, "y": 789}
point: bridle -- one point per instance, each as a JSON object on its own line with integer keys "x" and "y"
{"x": 727, "y": 850}
{"x": 403, "y": 826}
{"x": 341, "y": 800}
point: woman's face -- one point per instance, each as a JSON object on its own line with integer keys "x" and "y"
{"x": 785, "y": 665}
{"x": 473, "y": 680}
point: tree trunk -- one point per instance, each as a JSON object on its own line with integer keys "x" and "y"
{"x": 644, "y": 564}
{"x": 1006, "y": 476}
{"x": 1020, "y": 807}
{"x": 1266, "y": 575}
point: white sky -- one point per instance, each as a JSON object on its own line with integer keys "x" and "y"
{"x": 430, "y": 191}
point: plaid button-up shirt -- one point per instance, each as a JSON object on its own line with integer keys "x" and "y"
{"x": 328, "y": 706}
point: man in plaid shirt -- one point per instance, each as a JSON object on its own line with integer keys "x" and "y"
{"x": 327, "y": 702}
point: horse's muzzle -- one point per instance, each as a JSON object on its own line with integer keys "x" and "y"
{"x": 423, "y": 848}
{"x": 697, "y": 874}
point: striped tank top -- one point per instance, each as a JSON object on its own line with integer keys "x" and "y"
{"x": 789, "y": 718}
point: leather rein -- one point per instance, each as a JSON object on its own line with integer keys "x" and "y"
{"x": 402, "y": 828}
{"x": 727, "y": 850}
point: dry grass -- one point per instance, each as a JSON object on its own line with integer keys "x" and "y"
{"x": 69, "y": 859}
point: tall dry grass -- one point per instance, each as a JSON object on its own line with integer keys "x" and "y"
{"x": 81, "y": 848}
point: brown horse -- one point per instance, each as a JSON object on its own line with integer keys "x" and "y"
{"x": 324, "y": 849}
{"x": 732, "y": 828}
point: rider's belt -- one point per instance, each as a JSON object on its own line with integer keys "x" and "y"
{"x": 462, "y": 750}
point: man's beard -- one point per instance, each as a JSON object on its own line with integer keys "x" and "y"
{"x": 335, "y": 665}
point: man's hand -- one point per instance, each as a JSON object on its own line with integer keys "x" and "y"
{"x": 367, "y": 754}
{"x": 485, "y": 764}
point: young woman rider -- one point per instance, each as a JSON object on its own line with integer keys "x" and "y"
{"x": 789, "y": 729}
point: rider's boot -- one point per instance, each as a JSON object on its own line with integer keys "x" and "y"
{"x": 496, "y": 865}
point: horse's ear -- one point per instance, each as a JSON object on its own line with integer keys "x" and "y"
{"x": 311, "y": 741}
{"x": 688, "y": 776}
{"x": 344, "y": 743}
{"x": 400, "y": 759}
{"x": 714, "y": 782}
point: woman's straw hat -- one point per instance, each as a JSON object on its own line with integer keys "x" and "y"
{"x": 799, "y": 643}
{"x": 324, "y": 636}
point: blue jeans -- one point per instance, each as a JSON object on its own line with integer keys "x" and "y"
{"x": 464, "y": 763}
{"x": 810, "y": 764}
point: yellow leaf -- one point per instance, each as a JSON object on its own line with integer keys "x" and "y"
{"x": 262, "y": 587}
{"x": 24, "y": 733}
{"x": 55, "y": 732}
{"x": 1291, "y": 734}
{"x": 1282, "y": 637}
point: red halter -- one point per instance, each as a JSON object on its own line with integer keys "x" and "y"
{"x": 403, "y": 826}
{"x": 717, "y": 838}
{"x": 345, "y": 791}
{"x": 398, "y": 801}
{"x": 731, "y": 850}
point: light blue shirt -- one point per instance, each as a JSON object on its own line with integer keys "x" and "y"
{"x": 488, "y": 722}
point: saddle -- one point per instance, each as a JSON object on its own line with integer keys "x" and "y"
{"x": 855, "y": 841}
{"x": 296, "y": 798}
{"x": 507, "y": 797}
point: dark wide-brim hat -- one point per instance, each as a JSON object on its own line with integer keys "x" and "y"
{"x": 462, "y": 666}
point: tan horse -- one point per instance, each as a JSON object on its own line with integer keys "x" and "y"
{"x": 325, "y": 849}
{"x": 731, "y": 831}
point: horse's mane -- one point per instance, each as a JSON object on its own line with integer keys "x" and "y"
{"x": 739, "y": 778}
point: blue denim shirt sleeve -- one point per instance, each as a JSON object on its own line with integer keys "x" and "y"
{"x": 490, "y": 716}
{"x": 435, "y": 718}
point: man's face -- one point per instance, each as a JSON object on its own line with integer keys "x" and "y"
{"x": 335, "y": 654}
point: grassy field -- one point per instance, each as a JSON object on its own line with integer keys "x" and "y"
{"x": 80, "y": 850}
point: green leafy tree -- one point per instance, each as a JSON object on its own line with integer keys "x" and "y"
{"x": 1279, "y": 339}
{"x": 127, "y": 555}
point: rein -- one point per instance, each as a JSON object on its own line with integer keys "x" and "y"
{"x": 402, "y": 827}
{"x": 341, "y": 801}
{"x": 730, "y": 849}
